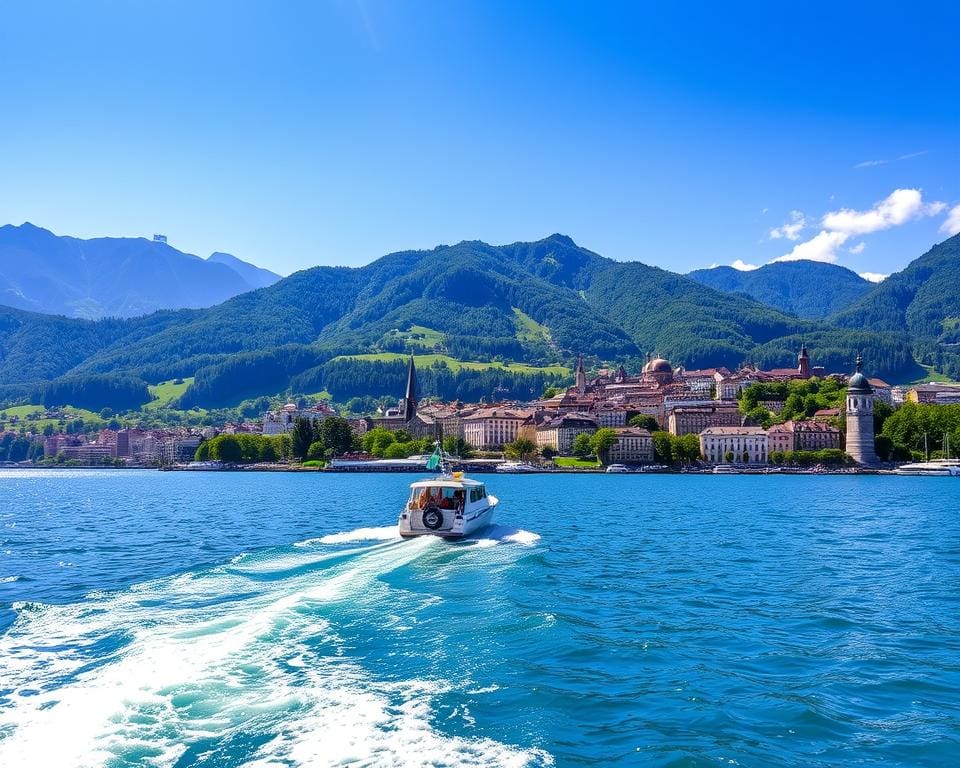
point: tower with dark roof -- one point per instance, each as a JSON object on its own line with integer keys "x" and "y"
{"x": 410, "y": 397}
{"x": 803, "y": 362}
{"x": 860, "y": 418}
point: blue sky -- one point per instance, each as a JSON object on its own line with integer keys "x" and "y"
{"x": 294, "y": 134}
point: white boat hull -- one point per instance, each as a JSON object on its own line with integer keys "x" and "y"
{"x": 453, "y": 526}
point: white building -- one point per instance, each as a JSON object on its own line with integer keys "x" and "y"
{"x": 744, "y": 445}
{"x": 492, "y": 428}
{"x": 282, "y": 421}
{"x": 634, "y": 446}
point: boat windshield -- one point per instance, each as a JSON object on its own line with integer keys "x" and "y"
{"x": 436, "y": 496}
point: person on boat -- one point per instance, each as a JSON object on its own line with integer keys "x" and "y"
{"x": 458, "y": 500}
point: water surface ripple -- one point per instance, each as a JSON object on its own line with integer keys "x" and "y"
{"x": 181, "y": 619}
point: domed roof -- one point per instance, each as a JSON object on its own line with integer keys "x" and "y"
{"x": 658, "y": 365}
{"x": 858, "y": 382}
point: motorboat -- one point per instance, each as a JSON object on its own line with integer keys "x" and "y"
{"x": 516, "y": 467}
{"x": 726, "y": 469}
{"x": 450, "y": 506}
{"x": 936, "y": 468}
{"x": 617, "y": 468}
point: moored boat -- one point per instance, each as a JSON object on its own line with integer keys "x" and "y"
{"x": 941, "y": 468}
{"x": 516, "y": 467}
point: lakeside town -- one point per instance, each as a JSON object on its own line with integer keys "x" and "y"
{"x": 662, "y": 417}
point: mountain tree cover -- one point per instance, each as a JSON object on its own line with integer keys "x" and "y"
{"x": 345, "y": 378}
{"x": 95, "y": 392}
{"x": 923, "y": 301}
{"x": 810, "y": 289}
{"x": 249, "y": 374}
{"x": 470, "y": 294}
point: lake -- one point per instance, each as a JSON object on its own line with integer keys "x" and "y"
{"x": 266, "y": 619}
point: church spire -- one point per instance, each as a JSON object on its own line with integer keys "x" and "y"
{"x": 581, "y": 376}
{"x": 410, "y": 398}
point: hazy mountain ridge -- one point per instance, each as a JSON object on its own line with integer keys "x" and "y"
{"x": 112, "y": 276}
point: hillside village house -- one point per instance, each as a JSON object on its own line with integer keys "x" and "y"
{"x": 634, "y": 446}
{"x": 281, "y": 422}
{"x": 748, "y": 445}
{"x": 559, "y": 432}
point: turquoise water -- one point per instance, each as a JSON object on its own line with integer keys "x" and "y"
{"x": 269, "y": 620}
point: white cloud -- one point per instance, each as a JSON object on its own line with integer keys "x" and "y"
{"x": 874, "y": 277}
{"x": 791, "y": 230}
{"x": 858, "y": 248}
{"x": 952, "y": 224}
{"x": 870, "y": 163}
{"x": 822, "y": 247}
{"x": 899, "y": 207}
{"x": 911, "y": 155}
{"x": 743, "y": 266}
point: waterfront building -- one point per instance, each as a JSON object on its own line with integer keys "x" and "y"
{"x": 743, "y": 445}
{"x": 810, "y": 435}
{"x": 634, "y": 446}
{"x": 779, "y": 438}
{"x": 935, "y": 393}
{"x": 559, "y": 432}
{"x": 492, "y": 428}
{"x": 692, "y": 420}
{"x": 860, "y": 418}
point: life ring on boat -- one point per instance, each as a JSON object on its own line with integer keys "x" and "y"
{"x": 432, "y": 518}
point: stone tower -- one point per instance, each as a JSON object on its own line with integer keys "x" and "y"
{"x": 803, "y": 362}
{"x": 581, "y": 377}
{"x": 860, "y": 418}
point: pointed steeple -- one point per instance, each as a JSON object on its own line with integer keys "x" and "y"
{"x": 410, "y": 397}
{"x": 803, "y": 361}
{"x": 581, "y": 375}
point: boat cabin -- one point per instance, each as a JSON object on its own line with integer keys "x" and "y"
{"x": 453, "y": 494}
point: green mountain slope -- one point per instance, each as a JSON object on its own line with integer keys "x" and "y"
{"x": 808, "y": 289}
{"x": 538, "y": 303}
{"x": 924, "y": 301}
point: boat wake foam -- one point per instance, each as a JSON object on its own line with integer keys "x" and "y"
{"x": 220, "y": 667}
{"x": 383, "y": 533}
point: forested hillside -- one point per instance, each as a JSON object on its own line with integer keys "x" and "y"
{"x": 810, "y": 289}
{"x": 537, "y": 303}
{"x": 924, "y": 301}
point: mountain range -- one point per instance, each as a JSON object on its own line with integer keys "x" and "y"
{"x": 809, "y": 289}
{"x": 114, "y": 276}
{"x": 538, "y": 303}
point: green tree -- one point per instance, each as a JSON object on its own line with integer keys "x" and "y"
{"x": 521, "y": 448}
{"x": 581, "y": 445}
{"x": 47, "y": 429}
{"x": 728, "y": 456}
{"x": 602, "y": 441}
{"x": 686, "y": 448}
{"x": 457, "y": 446}
{"x": 376, "y": 441}
{"x": 302, "y": 437}
{"x": 663, "y": 447}
{"x": 226, "y": 448}
{"x": 336, "y": 435}
{"x": 645, "y": 421}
